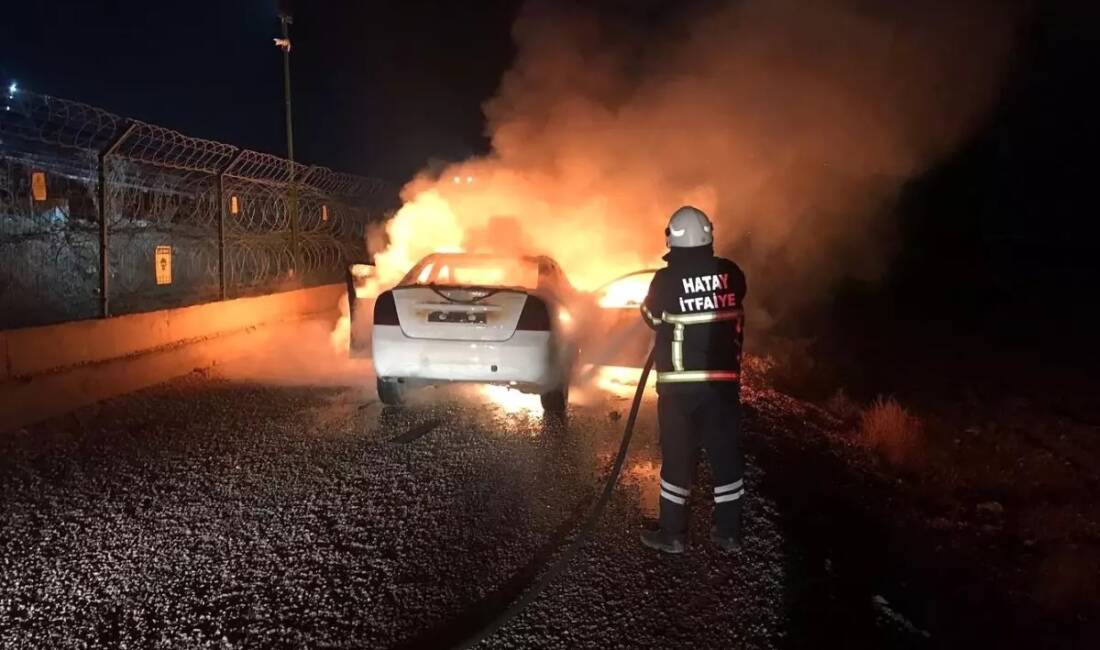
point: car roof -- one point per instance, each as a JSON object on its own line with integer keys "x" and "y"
{"x": 541, "y": 260}
{"x": 487, "y": 256}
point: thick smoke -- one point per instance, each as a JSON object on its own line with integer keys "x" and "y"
{"x": 792, "y": 123}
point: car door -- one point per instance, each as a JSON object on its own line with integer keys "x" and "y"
{"x": 617, "y": 335}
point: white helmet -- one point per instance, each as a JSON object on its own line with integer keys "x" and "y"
{"x": 688, "y": 228}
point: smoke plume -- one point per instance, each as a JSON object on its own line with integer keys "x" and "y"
{"x": 792, "y": 123}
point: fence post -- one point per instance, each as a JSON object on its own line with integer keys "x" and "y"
{"x": 222, "y": 280}
{"x": 296, "y": 182}
{"x": 104, "y": 230}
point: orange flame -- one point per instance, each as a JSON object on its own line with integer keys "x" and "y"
{"x": 511, "y": 213}
{"x": 626, "y": 292}
{"x": 511, "y": 401}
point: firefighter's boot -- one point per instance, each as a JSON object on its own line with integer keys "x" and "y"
{"x": 663, "y": 541}
{"x": 725, "y": 541}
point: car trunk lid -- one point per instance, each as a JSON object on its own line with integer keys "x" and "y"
{"x": 459, "y": 313}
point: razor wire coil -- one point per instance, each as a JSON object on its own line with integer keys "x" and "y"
{"x": 274, "y": 224}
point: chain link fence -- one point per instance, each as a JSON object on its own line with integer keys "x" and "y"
{"x": 102, "y": 215}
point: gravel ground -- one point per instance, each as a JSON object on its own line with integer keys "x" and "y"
{"x": 215, "y": 513}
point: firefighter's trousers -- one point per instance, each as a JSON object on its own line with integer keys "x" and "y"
{"x": 691, "y": 417}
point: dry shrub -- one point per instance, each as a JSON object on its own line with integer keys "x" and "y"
{"x": 887, "y": 427}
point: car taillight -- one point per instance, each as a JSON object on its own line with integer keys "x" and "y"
{"x": 535, "y": 316}
{"x": 385, "y": 311}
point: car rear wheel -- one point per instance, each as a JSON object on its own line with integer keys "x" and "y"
{"x": 391, "y": 392}
{"x": 555, "y": 401}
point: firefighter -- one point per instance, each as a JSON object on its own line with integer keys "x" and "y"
{"x": 695, "y": 305}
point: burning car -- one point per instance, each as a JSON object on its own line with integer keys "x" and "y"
{"x": 624, "y": 340}
{"x": 492, "y": 319}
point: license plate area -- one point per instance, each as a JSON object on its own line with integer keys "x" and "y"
{"x": 459, "y": 317}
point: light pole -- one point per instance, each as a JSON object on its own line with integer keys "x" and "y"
{"x": 285, "y": 19}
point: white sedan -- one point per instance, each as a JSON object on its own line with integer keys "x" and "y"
{"x": 459, "y": 317}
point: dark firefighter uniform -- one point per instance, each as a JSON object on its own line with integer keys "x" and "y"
{"x": 695, "y": 306}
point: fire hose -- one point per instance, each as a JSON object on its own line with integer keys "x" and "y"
{"x": 559, "y": 565}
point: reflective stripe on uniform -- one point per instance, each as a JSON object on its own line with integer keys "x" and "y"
{"x": 679, "y": 322}
{"x": 732, "y": 496}
{"x": 685, "y": 376}
{"x": 675, "y": 489}
{"x": 673, "y": 498}
{"x": 729, "y": 487}
{"x": 650, "y": 318}
{"x": 678, "y": 347}
{"x": 702, "y": 317}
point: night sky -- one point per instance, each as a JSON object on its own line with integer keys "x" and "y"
{"x": 379, "y": 88}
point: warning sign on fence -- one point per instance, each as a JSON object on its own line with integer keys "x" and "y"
{"x": 38, "y": 186}
{"x": 163, "y": 258}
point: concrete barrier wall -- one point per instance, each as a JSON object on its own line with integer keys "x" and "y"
{"x": 38, "y": 350}
{"x": 50, "y": 370}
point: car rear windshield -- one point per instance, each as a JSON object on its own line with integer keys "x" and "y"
{"x": 464, "y": 270}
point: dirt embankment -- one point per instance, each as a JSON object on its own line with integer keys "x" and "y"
{"x": 970, "y": 496}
